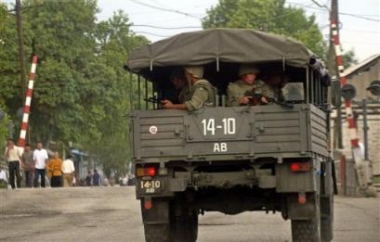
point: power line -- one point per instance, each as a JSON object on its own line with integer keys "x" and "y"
{"x": 361, "y": 31}
{"x": 169, "y": 28}
{"x": 164, "y": 9}
{"x": 362, "y": 16}
{"x": 148, "y": 33}
{"x": 365, "y": 43}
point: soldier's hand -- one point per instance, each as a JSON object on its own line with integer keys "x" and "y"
{"x": 264, "y": 100}
{"x": 166, "y": 104}
{"x": 245, "y": 100}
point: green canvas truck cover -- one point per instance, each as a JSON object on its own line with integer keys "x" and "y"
{"x": 220, "y": 45}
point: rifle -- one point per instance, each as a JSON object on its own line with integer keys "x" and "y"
{"x": 153, "y": 99}
{"x": 256, "y": 100}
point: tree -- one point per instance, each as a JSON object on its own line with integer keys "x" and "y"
{"x": 349, "y": 59}
{"x": 268, "y": 15}
{"x": 60, "y": 32}
{"x": 81, "y": 89}
{"x": 10, "y": 91}
{"x": 114, "y": 43}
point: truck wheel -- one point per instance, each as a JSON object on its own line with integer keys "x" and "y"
{"x": 308, "y": 230}
{"x": 327, "y": 218}
{"x": 157, "y": 232}
{"x": 185, "y": 228}
{"x": 327, "y": 203}
{"x": 326, "y": 229}
{"x": 305, "y": 231}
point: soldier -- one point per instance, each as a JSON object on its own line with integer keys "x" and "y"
{"x": 237, "y": 91}
{"x": 202, "y": 93}
{"x": 178, "y": 78}
{"x": 276, "y": 80}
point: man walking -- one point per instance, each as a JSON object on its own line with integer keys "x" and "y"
{"x": 12, "y": 156}
{"x": 68, "y": 170}
{"x": 28, "y": 165}
{"x": 40, "y": 157}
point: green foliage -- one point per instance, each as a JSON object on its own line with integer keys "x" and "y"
{"x": 268, "y": 15}
{"x": 10, "y": 91}
{"x": 349, "y": 59}
{"x": 81, "y": 90}
{"x": 4, "y": 122}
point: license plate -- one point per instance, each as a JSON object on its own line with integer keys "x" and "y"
{"x": 152, "y": 186}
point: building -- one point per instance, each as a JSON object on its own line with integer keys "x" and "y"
{"x": 361, "y": 76}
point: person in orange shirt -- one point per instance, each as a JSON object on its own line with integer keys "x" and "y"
{"x": 55, "y": 167}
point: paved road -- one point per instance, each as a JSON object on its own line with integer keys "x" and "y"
{"x": 112, "y": 214}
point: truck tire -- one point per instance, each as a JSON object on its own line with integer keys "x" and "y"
{"x": 327, "y": 203}
{"x": 305, "y": 230}
{"x": 157, "y": 232}
{"x": 327, "y": 218}
{"x": 326, "y": 229}
{"x": 185, "y": 228}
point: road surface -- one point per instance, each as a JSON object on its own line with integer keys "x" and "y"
{"x": 112, "y": 214}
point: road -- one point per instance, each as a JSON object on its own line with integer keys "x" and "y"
{"x": 112, "y": 214}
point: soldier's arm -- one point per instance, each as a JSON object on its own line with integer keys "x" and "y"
{"x": 231, "y": 99}
{"x": 166, "y": 104}
{"x": 198, "y": 99}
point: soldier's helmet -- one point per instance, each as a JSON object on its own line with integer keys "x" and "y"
{"x": 196, "y": 71}
{"x": 248, "y": 69}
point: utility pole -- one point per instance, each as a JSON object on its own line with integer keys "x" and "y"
{"x": 21, "y": 47}
{"x": 333, "y": 69}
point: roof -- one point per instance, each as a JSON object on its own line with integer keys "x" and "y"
{"x": 220, "y": 45}
{"x": 362, "y": 66}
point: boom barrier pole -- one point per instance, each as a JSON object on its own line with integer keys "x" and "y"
{"x": 28, "y": 100}
{"x": 361, "y": 166}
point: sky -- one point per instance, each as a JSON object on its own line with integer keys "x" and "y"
{"x": 360, "y": 19}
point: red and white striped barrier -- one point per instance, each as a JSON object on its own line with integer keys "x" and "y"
{"x": 343, "y": 81}
{"x": 362, "y": 166}
{"x": 28, "y": 100}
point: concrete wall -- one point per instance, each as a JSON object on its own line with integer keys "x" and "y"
{"x": 373, "y": 141}
{"x": 361, "y": 82}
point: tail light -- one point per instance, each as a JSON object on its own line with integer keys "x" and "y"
{"x": 300, "y": 166}
{"x": 146, "y": 171}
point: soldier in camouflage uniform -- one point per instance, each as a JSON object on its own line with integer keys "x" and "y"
{"x": 237, "y": 91}
{"x": 202, "y": 93}
{"x": 276, "y": 81}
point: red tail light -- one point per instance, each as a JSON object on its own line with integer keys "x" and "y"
{"x": 300, "y": 166}
{"x": 146, "y": 171}
{"x": 150, "y": 171}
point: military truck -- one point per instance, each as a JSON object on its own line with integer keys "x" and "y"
{"x": 269, "y": 158}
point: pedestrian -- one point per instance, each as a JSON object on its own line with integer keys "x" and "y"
{"x": 68, "y": 170}
{"x": 202, "y": 93}
{"x": 96, "y": 178}
{"x": 240, "y": 92}
{"x": 28, "y": 165}
{"x": 88, "y": 179}
{"x": 3, "y": 177}
{"x": 40, "y": 157}
{"x": 12, "y": 155}
{"x": 55, "y": 167}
